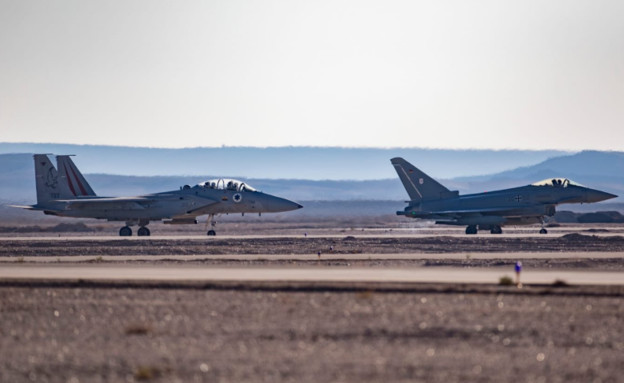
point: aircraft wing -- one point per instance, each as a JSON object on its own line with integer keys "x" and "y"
{"x": 128, "y": 203}
{"x": 500, "y": 211}
{"x": 27, "y": 207}
{"x": 121, "y": 203}
{"x": 462, "y": 212}
{"x": 475, "y": 211}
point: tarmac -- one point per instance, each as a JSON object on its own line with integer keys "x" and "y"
{"x": 328, "y": 256}
{"x": 193, "y": 273}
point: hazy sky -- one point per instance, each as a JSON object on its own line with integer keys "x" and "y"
{"x": 444, "y": 74}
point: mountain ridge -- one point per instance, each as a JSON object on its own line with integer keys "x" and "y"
{"x": 17, "y": 180}
{"x": 316, "y": 163}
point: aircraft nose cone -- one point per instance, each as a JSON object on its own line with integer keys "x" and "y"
{"x": 597, "y": 196}
{"x": 277, "y": 204}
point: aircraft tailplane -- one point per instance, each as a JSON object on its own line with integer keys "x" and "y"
{"x": 72, "y": 180}
{"x": 419, "y": 186}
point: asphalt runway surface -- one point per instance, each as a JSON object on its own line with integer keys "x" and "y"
{"x": 310, "y": 258}
{"x": 396, "y": 233}
{"x": 297, "y": 275}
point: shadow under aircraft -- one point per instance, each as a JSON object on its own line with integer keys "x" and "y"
{"x": 66, "y": 193}
{"x": 489, "y": 211}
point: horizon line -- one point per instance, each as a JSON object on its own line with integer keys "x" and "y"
{"x": 312, "y": 147}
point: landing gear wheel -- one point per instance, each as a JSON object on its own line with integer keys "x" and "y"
{"x": 472, "y": 229}
{"x": 496, "y": 230}
{"x": 543, "y": 231}
{"x": 211, "y": 233}
{"x": 125, "y": 231}
{"x": 143, "y": 232}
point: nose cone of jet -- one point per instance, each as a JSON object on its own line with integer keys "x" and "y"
{"x": 275, "y": 204}
{"x": 597, "y": 195}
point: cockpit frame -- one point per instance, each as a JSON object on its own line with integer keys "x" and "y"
{"x": 556, "y": 182}
{"x": 226, "y": 184}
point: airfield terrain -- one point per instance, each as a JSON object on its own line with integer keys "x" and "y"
{"x": 398, "y": 304}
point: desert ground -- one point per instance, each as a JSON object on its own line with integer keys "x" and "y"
{"x": 88, "y": 331}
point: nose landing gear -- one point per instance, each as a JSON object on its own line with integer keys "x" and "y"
{"x": 213, "y": 223}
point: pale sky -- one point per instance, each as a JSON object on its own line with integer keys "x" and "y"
{"x": 442, "y": 74}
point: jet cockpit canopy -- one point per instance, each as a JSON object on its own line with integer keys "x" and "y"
{"x": 226, "y": 184}
{"x": 557, "y": 182}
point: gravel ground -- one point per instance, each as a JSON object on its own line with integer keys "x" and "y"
{"x": 57, "y": 333}
{"x": 291, "y": 245}
{"x": 345, "y": 246}
{"x": 80, "y": 334}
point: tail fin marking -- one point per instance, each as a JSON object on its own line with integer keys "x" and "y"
{"x": 46, "y": 179}
{"x": 74, "y": 180}
{"x": 419, "y": 186}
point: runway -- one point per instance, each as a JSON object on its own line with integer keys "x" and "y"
{"x": 300, "y": 275}
{"x": 369, "y": 233}
{"x": 512, "y": 256}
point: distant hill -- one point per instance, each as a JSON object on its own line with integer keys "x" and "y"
{"x": 308, "y": 163}
{"x": 601, "y": 170}
{"x": 583, "y": 164}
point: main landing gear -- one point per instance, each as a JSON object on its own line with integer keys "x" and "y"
{"x": 471, "y": 229}
{"x": 143, "y": 231}
{"x": 474, "y": 229}
{"x": 495, "y": 229}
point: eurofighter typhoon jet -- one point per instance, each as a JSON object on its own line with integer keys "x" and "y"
{"x": 488, "y": 211}
{"x": 66, "y": 193}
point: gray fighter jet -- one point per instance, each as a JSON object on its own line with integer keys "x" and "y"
{"x": 488, "y": 211}
{"x": 65, "y": 192}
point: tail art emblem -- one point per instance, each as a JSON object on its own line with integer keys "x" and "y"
{"x": 421, "y": 181}
{"x": 51, "y": 179}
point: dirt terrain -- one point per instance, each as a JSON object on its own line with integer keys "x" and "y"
{"x": 133, "y": 332}
{"x": 58, "y": 334}
{"x": 309, "y": 245}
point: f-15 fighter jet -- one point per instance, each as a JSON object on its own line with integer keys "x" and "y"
{"x": 65, "y": 192}
{"x": 488, "y": 211}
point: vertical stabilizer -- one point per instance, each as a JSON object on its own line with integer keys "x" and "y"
{"x": 71, "y": 179}
{"x": 46, "y": 180}
{"x": 419, "y": 186}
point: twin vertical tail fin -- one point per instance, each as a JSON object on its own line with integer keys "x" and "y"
{"x": 71, "y": 177}
{"x": 46, "y": 180}
{"x": 419, "y": 186}
{"x": 66, "y": 183}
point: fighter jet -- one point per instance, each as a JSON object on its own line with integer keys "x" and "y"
{"x": 491, "y": 210}
{"x": 66, "y": 193}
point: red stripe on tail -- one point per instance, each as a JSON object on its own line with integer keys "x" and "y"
{"x": 71, "y": 187}
{"x": 82, "y": 189}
